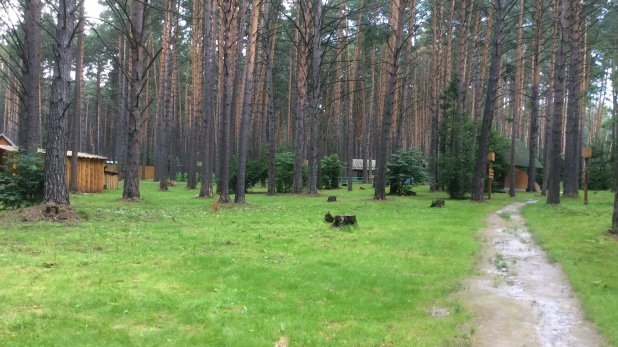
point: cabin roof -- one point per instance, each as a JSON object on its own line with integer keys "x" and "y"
{"x": 522, "y": 155}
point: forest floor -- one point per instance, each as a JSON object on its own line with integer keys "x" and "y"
{"x": 176, "y": 270}
{"x": 518, "y": 297}
{"x": 171, "y": 270}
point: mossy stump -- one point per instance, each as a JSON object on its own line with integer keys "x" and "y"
{"x": 437, "y": 203}
{"x": 344, "y": 219}
{"x": 331, "y": 199}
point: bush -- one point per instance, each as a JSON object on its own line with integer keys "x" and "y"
{"x": 331, "y": 171}
{"x": 21, "y": 183}
{"x": 601, "y": 172}
{"x": 256, "y": 172}
{"x": 405, "y": 170}
{"x": 285, "y": 172}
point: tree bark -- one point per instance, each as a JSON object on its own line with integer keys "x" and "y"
{"x": 316, "y": 85}
{"x": 397, "y": 21}
{"x": 208, "y": 112}
{"x": 32, "y": 74}
{"x": 533, "y": 143}
{"x": 480, "y": 171}
{"x": 228, "y": 16}
{"x": 239, "y": 198}
{"x": 77, "y": 100}
{"x": 572, "y": 153}
{"x": 55, "y": 187}
{"x": 553, "y": 195}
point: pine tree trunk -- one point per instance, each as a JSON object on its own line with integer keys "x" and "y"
{"x": 208, "y": 112}
{"x": 77, "y": 100}
{"x": 553, "y": 195}
{"x": 55, "y": 177}
{"x": 316, "y": 64}
{"x": 480, "y": 171}
{"x": 32, "y": 75}
{"x": 571, "y": 156}
{"x": 397, "y": 20}
{"x": 247, "y": 103}
{"x": 533, "y": 143}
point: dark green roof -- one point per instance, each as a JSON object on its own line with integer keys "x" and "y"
{"x": 522, "y": 155}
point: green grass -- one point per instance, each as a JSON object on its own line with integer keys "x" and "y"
{"x": 576, "y": 236}
{"x": 171, "y": 271}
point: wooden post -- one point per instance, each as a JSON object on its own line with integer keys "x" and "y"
{"x": 586, "y": 154}
{"x": 491, "y": 156}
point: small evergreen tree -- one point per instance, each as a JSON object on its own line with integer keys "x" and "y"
{"x": 406, "y": 169}
{"x": 331, "y": 171}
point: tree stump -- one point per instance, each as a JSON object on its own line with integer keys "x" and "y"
{"x": 328, "y": 218}
{"x": 361, "y": 188}
{"x": 437, "y": 203}
{"x": 344, "y": 219}
{"x": 332, "y": 199}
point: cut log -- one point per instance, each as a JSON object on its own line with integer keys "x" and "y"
{"x": 328, "y": 218}
{"x": 344, "y": 219}
{"x": 332, "y": 199}
{"x": 437, "y": 203}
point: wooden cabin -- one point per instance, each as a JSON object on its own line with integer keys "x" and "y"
{"x": 89, "y": 170}
{"x": 522, "y": 156}
{"x": 111, "y": 179}
{"x": 6, "y": 146}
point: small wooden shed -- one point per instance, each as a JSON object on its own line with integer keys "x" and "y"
{"x": 6, "y": 146}
{"x": 89, "y": 170}
{"x": 522, "y": 156}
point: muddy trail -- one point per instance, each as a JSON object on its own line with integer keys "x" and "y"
{"x": 517, "y": 297}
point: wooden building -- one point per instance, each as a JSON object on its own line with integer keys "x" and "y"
{"x": 522, "y": 156}
{"x": 90, "y": 167}
{"x": 6, "y": 146}
{"x": 90, "y": 172}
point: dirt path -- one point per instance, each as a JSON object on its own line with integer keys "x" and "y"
{"x": 518, "y": 298}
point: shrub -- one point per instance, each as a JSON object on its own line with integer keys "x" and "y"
{"x": 21, "y": 183}
{"x": 331, "y": 170}
{"x": 406, "y": 169}
{"x": 285, "y": 172}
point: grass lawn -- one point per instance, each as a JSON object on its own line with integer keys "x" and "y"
{"x": 171, "y": 271}
{"x": 576, "y": 236}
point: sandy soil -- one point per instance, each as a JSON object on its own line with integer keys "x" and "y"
{"x": 517, "y": 297}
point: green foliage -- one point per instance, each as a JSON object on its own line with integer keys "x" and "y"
{"x": 331, "y": 168}
{"x": 285, "y": 172}
{"x": 457, "y": 150}
{"x": 21, "y": 183}
{"x": 601, "y": 171}
{"x": 406, "y": 169}
{"x": 256, "y": 172}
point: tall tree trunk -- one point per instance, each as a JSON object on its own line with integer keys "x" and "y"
{"x": 571, "y": 155}
{"x": 516, "y": 97}
{"x": 269, "y": 50}
{"x": 228, "y": 16}
{"x": 533, "y": 143}
{"x": 208, "y": 112}
{"x": 395, "y": 47}
{"x": 194, "y": 140}
{"x": 77, "y": 100}
{"x": 32, "y": 74}
{"x": 550, "y": 94}
{"x": 553, "y": 195}
{"x": 247, "y": 102}
{"x": 435, "y": 92}
{"x": 55, "y": 188}
{"x": 480, "y": 171}
{"x": 135, "y": 119}
{"x": 316, "y": 64}
{"x": 303, "y": 65}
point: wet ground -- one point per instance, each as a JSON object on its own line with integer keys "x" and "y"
{"x": 517, "y": 297}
